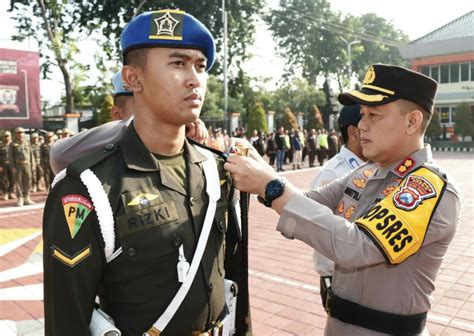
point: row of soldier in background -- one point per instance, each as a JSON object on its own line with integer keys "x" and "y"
{"x": 24, "y": 163}
{"x": 286, "y": 146}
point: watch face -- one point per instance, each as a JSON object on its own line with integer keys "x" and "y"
{"x": 274, "y": 188}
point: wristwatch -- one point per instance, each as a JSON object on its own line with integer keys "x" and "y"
{"x": 273, "y": 190}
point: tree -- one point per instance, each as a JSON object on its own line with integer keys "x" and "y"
{"x": 464, "y": 120}
{"x": 315, "y": 119}
{"x": 110, "y": 16}
{"x": 289, "y": 120}
{"x": 257, "y": 119}
{"x": 434, "y": 127}
{"x": 53, "y": 24}
{"x": 105, "y": 114}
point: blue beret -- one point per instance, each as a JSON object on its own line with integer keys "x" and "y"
{"x": 119, "y": 89}
{"x": 168, "y": 28}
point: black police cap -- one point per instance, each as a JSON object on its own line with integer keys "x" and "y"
{"x": 349, "y": 115}
{"x": 386, "y": 83}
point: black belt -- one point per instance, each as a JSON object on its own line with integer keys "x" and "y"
{"x": 353, "y": 313}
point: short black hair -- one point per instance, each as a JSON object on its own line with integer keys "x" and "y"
{"x": 136, "y": 57}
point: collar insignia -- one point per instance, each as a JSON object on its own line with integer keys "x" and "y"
{"x": 369, "y": 76}
{"x": 360, "y": 182}
{"x": 340, "y": 207}
{"x": 369, "y": 172}
{"x": 76, "y": 209}
{"x": 142, "y": 199}
{"x": 349, "y": 212}
{"x": 405, "y": 166}
{"x": 413, "y": 192}
{"x": 388, "y": 190}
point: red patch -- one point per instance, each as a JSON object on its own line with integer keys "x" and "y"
{"x": 405, "y": 166}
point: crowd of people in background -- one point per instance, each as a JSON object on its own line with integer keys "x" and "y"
{"x": 25, "y": 168}
{"x": 285, "y": 146}
{"x": 24, "y": 163}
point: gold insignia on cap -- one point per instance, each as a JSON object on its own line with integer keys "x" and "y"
{"x": 167, "y": 25}
{"x": 369, "y": 76}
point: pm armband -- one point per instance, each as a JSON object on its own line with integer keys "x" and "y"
{"x": 398, "y": 224}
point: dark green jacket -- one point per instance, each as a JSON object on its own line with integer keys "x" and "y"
{"x": 137, "y": 286}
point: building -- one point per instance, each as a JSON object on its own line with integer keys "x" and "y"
{"x": 447, "y": 55}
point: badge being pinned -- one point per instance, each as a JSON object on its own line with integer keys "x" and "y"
{"x": 142, "y": 199}
{"x": 76, "y": 209}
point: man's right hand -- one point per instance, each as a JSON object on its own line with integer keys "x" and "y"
{"x": 198, "y": 132}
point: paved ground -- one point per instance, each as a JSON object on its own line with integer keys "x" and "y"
{"x": 284, "y": 289}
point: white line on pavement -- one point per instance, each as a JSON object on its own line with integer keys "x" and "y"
{"x": 22, "y": 293}
{"x": 6, "y": 248}
{"x": 23, "y": 208}
{"x": 21, "y": 271}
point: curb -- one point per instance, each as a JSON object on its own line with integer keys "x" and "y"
{"x": 453, "y": 149}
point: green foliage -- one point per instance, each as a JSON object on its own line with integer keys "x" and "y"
{"x": 434, "y": 127}
{"x": 464, "y": 120}
{"x": 309, "y": 33}
{"x": 289, "y": 120}
{"x": 257, "y": 119}
{"x": 110, "y": 16}
{"x": 105, "y": 114}
{"x": 214, "y": 100}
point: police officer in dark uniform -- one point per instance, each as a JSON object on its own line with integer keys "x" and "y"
{"x": 120, "y": 222}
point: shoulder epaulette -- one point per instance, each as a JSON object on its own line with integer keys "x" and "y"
{"x": 78, "y": 166}
{"x": 215, "y": 151}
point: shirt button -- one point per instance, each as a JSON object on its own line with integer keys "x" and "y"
{"x": 131, "y": 252}
{"x": 210, "y": 287}
{"x": 109, "y": 147}
{"x": 177, "y": 241}
{"x": 192, "y": 201}
{"x": 221, "y": 226}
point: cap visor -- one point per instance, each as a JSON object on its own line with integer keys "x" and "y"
{"x": 365, "y": 97}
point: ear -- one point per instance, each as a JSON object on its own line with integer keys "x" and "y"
{"x": 115, "y": 113}
{"x": 353, "y": 133}
{"x": 415, "y": 119}
{"x": 131, "y": 78}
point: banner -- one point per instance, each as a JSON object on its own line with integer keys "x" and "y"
{"x": 20, "y": 101}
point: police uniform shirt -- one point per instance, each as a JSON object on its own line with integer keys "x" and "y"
{"x": 340, "y": 165}
{"x": 362, "y": 274}
{"x": 153, "y": 216}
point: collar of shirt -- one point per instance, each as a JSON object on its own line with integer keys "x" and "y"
{"x": 350, "y": 158}
{"x": 138, "y": 157}
{"x": 401, "y": 168}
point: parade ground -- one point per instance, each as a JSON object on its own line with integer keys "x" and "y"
{"x": 283, "y": 284}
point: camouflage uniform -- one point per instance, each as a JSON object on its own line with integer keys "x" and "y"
{"x": 20, "y": 161}
{"x": 6, "y": 176}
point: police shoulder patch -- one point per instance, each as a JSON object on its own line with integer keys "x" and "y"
{"x": 76, "y": 209}
{"x": 399, "y": 222}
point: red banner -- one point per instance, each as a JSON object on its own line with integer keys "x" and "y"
{"x": 20, "y": 101}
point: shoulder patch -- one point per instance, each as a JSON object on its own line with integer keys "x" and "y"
{"x": 398, "y": 223}
{"x": 76, "y": 209}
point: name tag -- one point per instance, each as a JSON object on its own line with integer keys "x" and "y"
{"x": 147, "y": 218}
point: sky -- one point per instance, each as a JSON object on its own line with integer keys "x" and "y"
{"x": 415, "y": 18}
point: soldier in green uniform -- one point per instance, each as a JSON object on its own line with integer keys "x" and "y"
{"x": 44, "y": 159}
{"x": 6, "y": 177}
{"x": 36, "y": 169}
{"x": 20, "y": 161}
{"x": 148, "y": 224}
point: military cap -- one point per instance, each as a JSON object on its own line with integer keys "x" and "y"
{"x": 66, "y": 130}
{"x": 7, "y": 133}
{"x": 19, "y": 130}
{"x": 50, "y": 134}
{"x": 349, "y": 115}
{"x": 34, "y": 135}
{"x": 168, "y": 28}
{"x": 383, "y": 84}
{"x": 119, "y": 89}
{"x": 58, "y": 132}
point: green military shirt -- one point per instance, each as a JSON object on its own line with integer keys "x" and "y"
{"x": 4, "y": 156}
{"x": 153, "y": 216}
{"x": 44, "y": 154}
{"x": 20, "y": 153}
